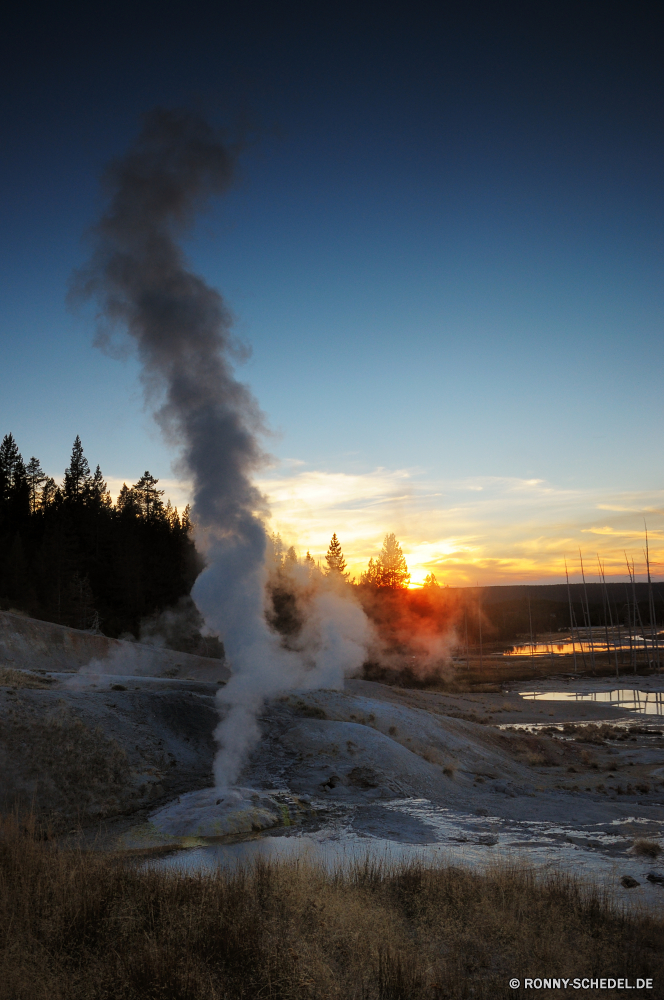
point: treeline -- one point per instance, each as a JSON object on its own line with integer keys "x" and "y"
{"x": 69, "y": 555}
{"x": 411, "y": 627}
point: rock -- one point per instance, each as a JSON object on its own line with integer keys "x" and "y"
{"x": 215, "y": 813}
{"x": 628, "y": 882}
{"x": 489, "y": 839}
{"x": 655, "y": 877}
{"x": 363, "y": 777}
{"x": 331, "y": 782}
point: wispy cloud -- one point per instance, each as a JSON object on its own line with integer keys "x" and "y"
{"x": 491, "y": 529}
{"x": 488, "y": 529}
{"x": 623, "y": 533}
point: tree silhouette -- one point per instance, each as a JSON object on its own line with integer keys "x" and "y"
{"x": 36, "y": 477}
{"x": 77, "y": 476}
{"x": 68, "y": 554}
{"x": 370, "y": 576}
{"x": 390, "y": 569}
{"x": 430, "y": 582}
{"x": 9, "y": 457}
{"x": 48, "y": 492}
{"x": 149, "y": 497}
{"x": 336, "y": 564}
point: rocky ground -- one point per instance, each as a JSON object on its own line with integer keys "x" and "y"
{"x": 118, "y": 755}
{"x": 83, "y": 750}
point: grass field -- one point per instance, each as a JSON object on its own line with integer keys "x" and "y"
{"x": 84, "y": 925}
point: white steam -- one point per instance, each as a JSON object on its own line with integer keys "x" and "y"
{"x": 332, "y": 644}
{"x": 181, "y": 330}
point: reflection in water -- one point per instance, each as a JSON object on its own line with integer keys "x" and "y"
{"x": 567, "y": 648}
{"x": 631, "y": 699}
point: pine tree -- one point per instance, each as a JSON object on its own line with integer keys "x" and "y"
{"x": 390, "y": 569}
{"x": 370, "y": 576}
{"x": 69, "y": 555}
{"x": 96, "y": 491}
{"x": 128, "y": 503}
{"x": 186, "y": 523}
{"x": 336, "y": 564}
{"x": 172, "y": 516}
{"x": 19, "y": 494}
{"x": 149, "y": 497}
{"x": 49, "y": 492}
{"x": 277, "y": 549}
{"x": 36, "y": 478}
{"x": 77, "y": 476}
{"x": 430, "y": 582}
{"x": 9, "y": 456}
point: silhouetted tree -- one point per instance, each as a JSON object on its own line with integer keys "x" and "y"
{"x": 370, "y": 575}
{"x": 48, "y": 492}
{"x": 149, "y": 497}
{"x": 128, "y": 503}
{"x": 36, "y": 477}
{"x": 95, "y": 492}
{"x": 336, "y": 564}
{"x": 77, "y": 476}
{"x": 390, "y": 569}
{"x": 9, "y": 456}
{"x": 68, "y": 554}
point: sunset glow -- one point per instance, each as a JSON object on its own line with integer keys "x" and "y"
{"x": 489, "y": 531}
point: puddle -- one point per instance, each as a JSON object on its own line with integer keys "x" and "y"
{"x": 410, "y": 829}
{"x": 629, "y": 699}
{"x": 567, "y": 648}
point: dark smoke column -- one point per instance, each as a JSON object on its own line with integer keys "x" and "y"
{"x": 181, "y": 327}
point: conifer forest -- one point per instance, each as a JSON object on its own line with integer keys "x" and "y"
{"x": 69, "y": 555}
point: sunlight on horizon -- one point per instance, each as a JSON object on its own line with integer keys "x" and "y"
{"x": 485, "y": 531}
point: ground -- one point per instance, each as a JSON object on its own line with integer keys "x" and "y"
{"x": 118, "y": 757}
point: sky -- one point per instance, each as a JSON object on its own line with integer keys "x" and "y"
{"x": 443, "y": 250}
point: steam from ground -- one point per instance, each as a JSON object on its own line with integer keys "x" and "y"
{"x": 181, "y": 328}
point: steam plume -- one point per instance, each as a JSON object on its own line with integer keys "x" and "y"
{"x": 182, "y": 331}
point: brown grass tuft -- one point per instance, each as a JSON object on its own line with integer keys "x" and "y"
{"x": 597, "y": 733}
{"x": 76, "y": 925}
{"x": 22, "y": 679}
{"x": 648, "y": 848}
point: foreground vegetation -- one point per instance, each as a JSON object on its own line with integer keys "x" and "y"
{"x": 76, "y": 925}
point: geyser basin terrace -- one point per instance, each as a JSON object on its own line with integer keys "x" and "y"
{"x": 469, "y": 775}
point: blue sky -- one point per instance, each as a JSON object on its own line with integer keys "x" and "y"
{"x": 444, "y": 249}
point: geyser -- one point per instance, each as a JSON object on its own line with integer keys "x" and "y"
{"x": 181, "y": 329}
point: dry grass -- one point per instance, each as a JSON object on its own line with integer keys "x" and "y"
{"x": 76, "y": 772}
{"x": 597, "y": 733}
{"x": 76, "y": 925}
{"x": 647, "y": 848}
{"x": 22, "y": 679}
